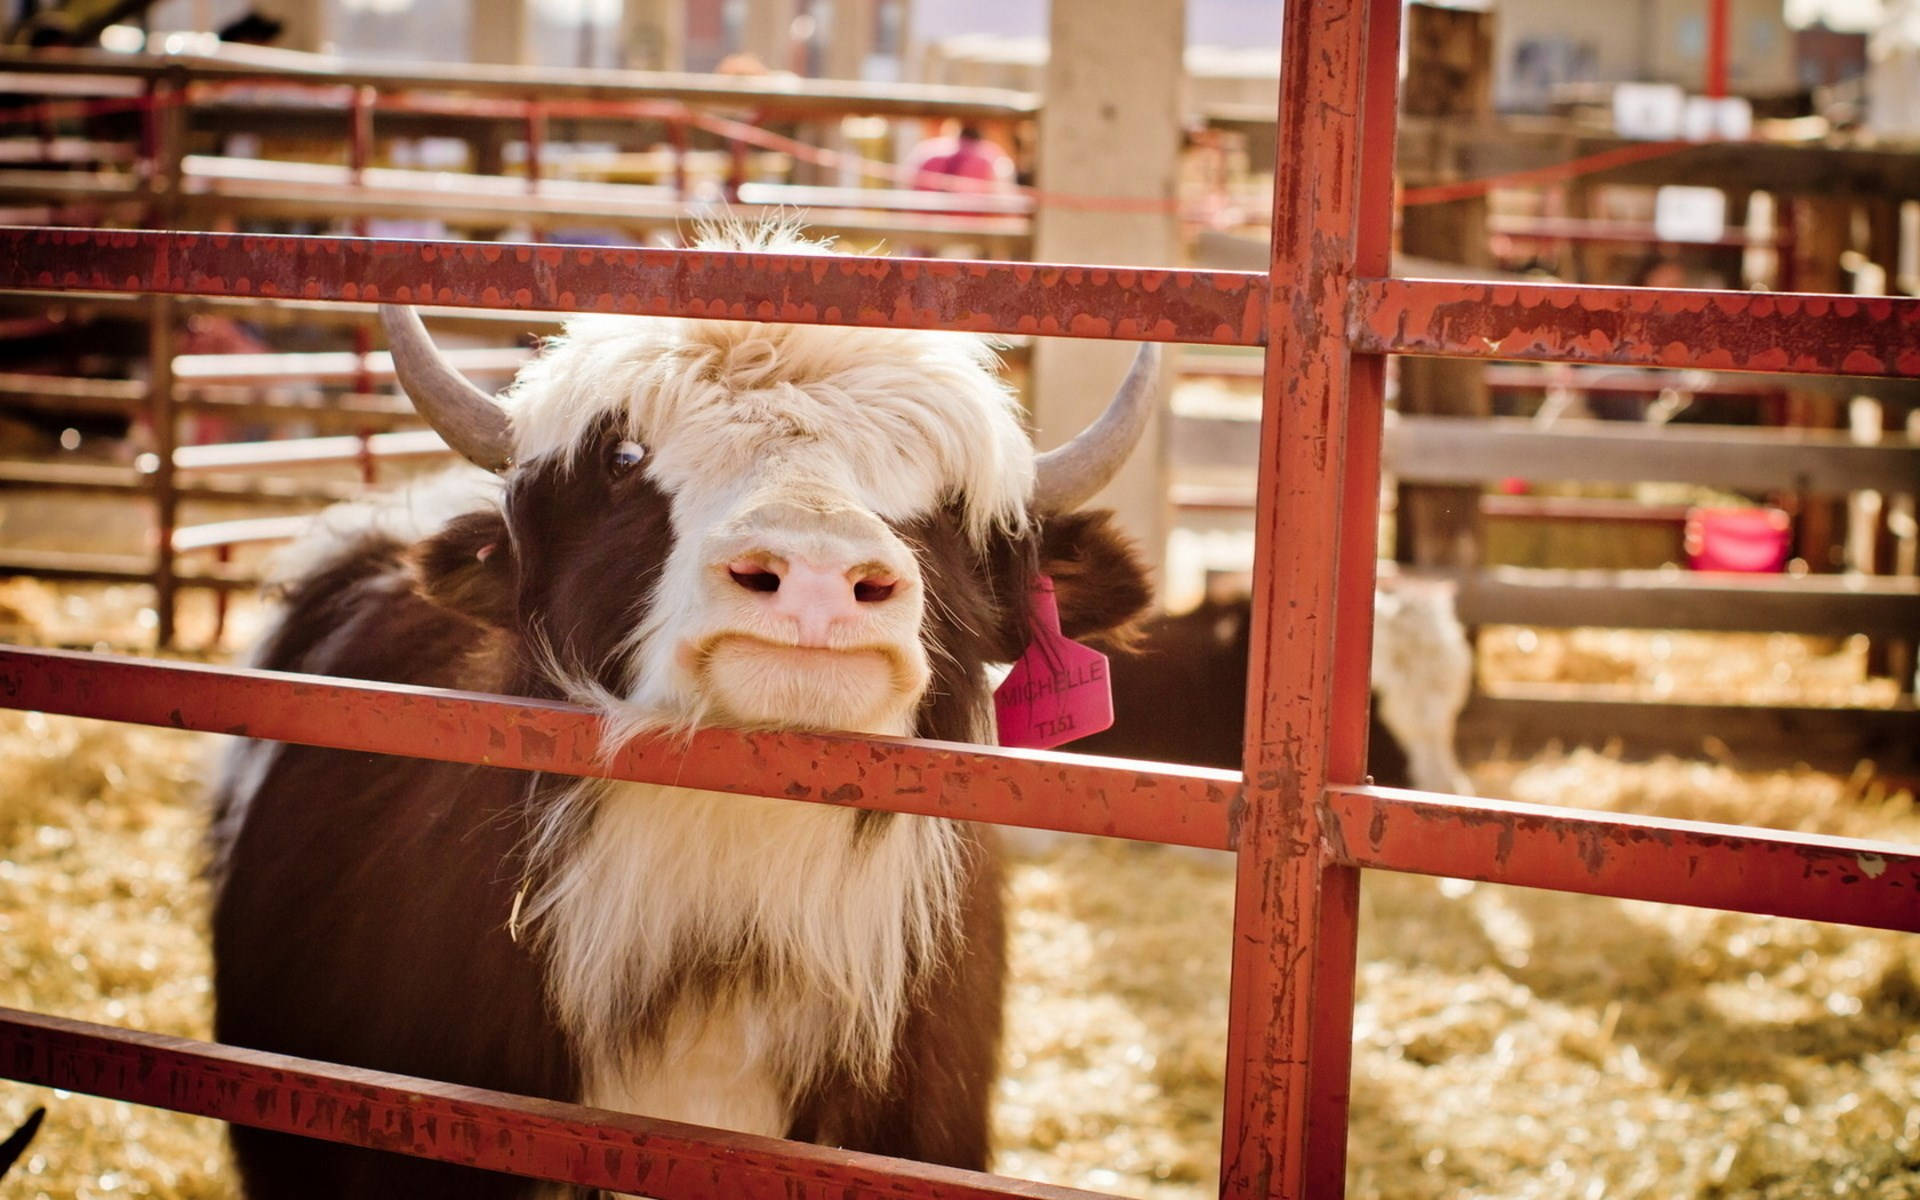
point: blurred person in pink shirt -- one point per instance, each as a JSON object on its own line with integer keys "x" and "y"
{"x": 966, "y": 156}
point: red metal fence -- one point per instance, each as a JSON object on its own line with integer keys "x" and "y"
{"x": 1302, "y": 827}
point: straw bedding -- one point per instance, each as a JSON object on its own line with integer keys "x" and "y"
{"x": 1508, "y": 1043}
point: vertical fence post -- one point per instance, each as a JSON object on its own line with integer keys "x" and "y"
{"x": 536, "y": 143}
{"x": 536, "y": 120}
{"x": 161, "y": 412}
{"x": 1295, "y": 909}
{"x": 1716, "y": 72}
{"x": 168, "y": 125}
{"x": 677, "y": 138}
{"x": 359, "y": 154}
{"x": 1449, "y": 77}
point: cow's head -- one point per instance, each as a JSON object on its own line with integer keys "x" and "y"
{"x": 774, "y": 525}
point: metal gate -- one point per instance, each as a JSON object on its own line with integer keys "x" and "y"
{"x": 1327, "y": 314}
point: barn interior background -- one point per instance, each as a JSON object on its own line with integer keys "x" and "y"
{"x": 1693, "y": 592}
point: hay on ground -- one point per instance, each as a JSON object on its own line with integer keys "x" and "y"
{"x": 1508, "y": 1043}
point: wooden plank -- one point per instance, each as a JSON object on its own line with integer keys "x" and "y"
{"x": 81, "y": 306}
{"x": 1823, "y": 605}
{"x": 1521, "y": 143}
{"x": 18, "y": 184}
{"x": 1581, "y": 508}
{"x": 1649, "y": 381}
{"x": 216, "y": 534}
{"x": 127, "y": 481}
{"x": 117, "y": 568}
{"x": 346, "y": 413}
{"x": 294, "y": 452}
{"x": 64, "y": 150}
{"x": 783, "y": 93}
{"x": 56, "y": 390}
{"x": 217, "y": 188}
{"x": 1738, "y": 457}
{"x": 82, "y": 477}
{"x": 334, "y": 366}
{"x": 1476, "y": 450}
{"x": 1524, "y": 719}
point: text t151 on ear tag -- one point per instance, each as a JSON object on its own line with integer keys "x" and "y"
{"x": 1058, "y": 691}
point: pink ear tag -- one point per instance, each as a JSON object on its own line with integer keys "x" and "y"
{"x": 1058, "y": 691}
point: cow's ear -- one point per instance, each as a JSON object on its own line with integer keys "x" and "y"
{"x": 1099, "y": 580}
{"x": 468, "y": 567}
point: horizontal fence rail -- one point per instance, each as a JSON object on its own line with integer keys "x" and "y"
{"x": 1189, "y": 806}
{"x": 1302, "y": 835}
{"x": 1781, "y": 333}
{"x": 1222, "y": 307}
{"x": 1715, "y": 331}
{"x": 1610, "y": 854}
{"x": 1629, "y": 857}
{"x": 495, "y": 1131}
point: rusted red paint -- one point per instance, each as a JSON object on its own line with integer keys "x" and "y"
{"x": 1335, "y": 936}
{"x": 1290, "y": 1007}
{"x": 1846, "y": 880}
{"x": 1721, "y": 331}
{"x": 1039, "y": 299}
{"x": 1183, "y": 805}
{"x": 491, "y": 1130}
{"x": 1330, "y": 314}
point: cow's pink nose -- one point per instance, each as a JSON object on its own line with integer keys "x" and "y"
{"x": 815, "y": 597}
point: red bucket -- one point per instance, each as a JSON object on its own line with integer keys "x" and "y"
{"x": 1754, "y": 540}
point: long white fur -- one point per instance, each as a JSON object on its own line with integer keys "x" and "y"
{"x": 893, "y": 422}
{"x": 659, "y": 871}
{"x": 885, "y": 422}
{"x": 907, "y": 415}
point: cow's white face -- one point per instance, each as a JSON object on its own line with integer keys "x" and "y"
{"x": 758, "y": 525}
{"x": 795, "y": 464}
{"x": 773, "y": 525}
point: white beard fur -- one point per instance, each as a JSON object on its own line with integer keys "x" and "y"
{"x": 642, "y": 874}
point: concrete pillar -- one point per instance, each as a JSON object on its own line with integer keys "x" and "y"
{"x": 849, "y": 39}
{"x": 499, "y": 33}
{"x": 1110, "y": 129}
{"x": 653, "y": 35}
{"x": 768, "y": 33}
{"x": 848, "y": 31}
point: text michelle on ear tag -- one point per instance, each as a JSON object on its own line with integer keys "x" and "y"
{"x": 1058, "y": 691}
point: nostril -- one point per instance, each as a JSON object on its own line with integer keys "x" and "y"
{"x": 872, "y": 591}
{"x": 754, "y": 578}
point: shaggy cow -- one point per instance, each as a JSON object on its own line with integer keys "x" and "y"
{"x": 1422, "y": 672}
{"x": 695, "y": 523}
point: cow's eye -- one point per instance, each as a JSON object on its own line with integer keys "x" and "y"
{"x": 625, "y": 456}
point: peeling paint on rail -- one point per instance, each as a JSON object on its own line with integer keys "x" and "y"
{"x": 1790, "y": 333}
{"x": 1036, "y": 299}
{"x": 544, "y": 1139}
{"x": 1187, "y": 806}
{"x": 1740, "y": 869}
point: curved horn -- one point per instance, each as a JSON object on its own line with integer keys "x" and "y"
{"x": 463, "y": 414}
{"x": 1068, "y": 476}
